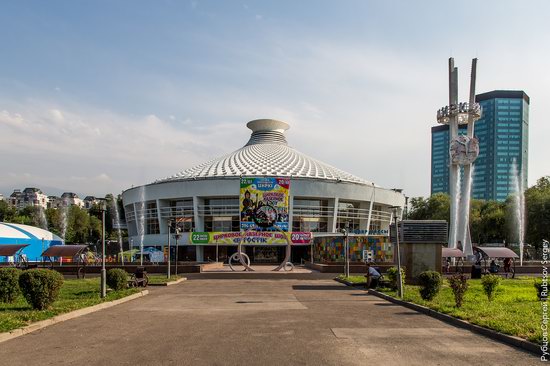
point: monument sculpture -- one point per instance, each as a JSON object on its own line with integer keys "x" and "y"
{"x": 463, "y": 151}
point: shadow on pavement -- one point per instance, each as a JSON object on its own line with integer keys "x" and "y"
{"x": 319, "y": 287}
{"x": 407, "y": 313}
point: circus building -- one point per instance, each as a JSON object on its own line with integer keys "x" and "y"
{"x": 208, "y": 205}
{"x": 30, "y": 240}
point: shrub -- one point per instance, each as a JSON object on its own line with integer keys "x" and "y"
{"x": 117, "y": 279}
{"x": 9, "y": 284}
{"x": 459, "y": 285}
{"x": 430, "y": 284}
{"x": 490, "y": 283}
{"x": 391, "y": 273}
{"x": 542, "y": 291}
{"x": 40, "y": 287}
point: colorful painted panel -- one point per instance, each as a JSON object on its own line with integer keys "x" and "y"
{"x": 331, "y": 249}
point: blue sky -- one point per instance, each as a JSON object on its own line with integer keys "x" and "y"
{"x": 97, "y": 96}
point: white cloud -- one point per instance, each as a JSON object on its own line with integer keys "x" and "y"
{"x": 96, "y": 152}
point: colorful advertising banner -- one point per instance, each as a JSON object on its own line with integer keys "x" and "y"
{"x": 264, "y": 203}
{"x": 331, "y": 249}
{"x": 252, "y": 238}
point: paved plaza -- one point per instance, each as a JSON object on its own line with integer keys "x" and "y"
{"x": 276, "y": 320}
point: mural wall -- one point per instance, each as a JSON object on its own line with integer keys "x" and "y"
{"x": 331, "y": 249}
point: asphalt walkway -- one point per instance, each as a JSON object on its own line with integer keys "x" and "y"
{"x": 246, "y": 321}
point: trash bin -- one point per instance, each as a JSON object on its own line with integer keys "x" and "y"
{"x": 476, "y": 271}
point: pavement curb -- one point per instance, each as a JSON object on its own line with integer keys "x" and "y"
{"x": 489, "y": 333}
{"x": 67, "y": 316}
{"x": 168, "y": 283}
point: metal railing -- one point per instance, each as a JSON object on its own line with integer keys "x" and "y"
{"x": 176, "y": 211}
{"x": 312, "y": 211}
{"x": 233, "y": 210}
{"x": 219, "y": 210}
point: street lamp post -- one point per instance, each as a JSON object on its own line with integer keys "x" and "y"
{"x": 399, "y": 279}
{"x": 177, "y": 236}
{"x": 103, "y": 271}
{"x": 169, "y": 232}
{"x": 42, "y": 252}
{"x": 346, "y": 251}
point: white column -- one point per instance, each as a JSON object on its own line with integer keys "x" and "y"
{"x": 199, "y": 220}
{"x": 334, "y": 220}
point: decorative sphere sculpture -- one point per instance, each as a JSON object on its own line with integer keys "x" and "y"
{"x": 464, "y": 150}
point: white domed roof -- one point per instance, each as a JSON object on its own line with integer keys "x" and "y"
{"x": 266, "y": 154}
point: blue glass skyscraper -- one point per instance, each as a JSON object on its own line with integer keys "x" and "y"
{"x": 503, "y": 141}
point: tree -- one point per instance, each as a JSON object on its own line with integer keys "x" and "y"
{"x": 7, "y": 213}
{"x": 435, "y": 207}
{"x": 493, "y": 222}
{"x": 537, "y": 212}
{"x": 78, "y": 222}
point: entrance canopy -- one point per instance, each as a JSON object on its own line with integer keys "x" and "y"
{"x": 452, "y": 253}
{"x": 63, "y": 250}
{"x": 497, "y": 252}
{"x": 11, "y": 249}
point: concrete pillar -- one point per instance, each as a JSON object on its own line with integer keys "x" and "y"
{"x": 200, "y": 253}
{"x": 163, "y": 223}
{"x": 290, "y": 212}
{"x": 198, "y": 219}
{"x": 332, "y": 221}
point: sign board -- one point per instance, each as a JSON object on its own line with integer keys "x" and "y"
{"x": 251, "y": 238}
{"x": 264, "y": 203}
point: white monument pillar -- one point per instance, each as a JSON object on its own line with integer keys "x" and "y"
{"x": 463, "y": 151}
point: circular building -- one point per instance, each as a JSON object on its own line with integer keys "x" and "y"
{"x": 36, "y": 239}
{"x": 204, "y": 200}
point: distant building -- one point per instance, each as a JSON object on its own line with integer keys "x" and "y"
{"x": 1, "y": 197}
{"x": 54, "y": 202}
{"x": 71, "y": 199}
{"x": 90, "y": 201}
{"x": 503, "y": 146}
{"x": 28, "y": 197}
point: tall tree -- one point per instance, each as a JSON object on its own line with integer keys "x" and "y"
{"x": 537, "y": 202}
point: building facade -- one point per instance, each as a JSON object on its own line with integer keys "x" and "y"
{"x": 71, "y": 199}
{"x": 28, "y": 197}
{"x": 91, "y": 201}
{"x": 503, "y": 134}
{"x": 322, "y": 198}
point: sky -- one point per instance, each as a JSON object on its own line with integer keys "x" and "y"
{"x": 99, "y": 96}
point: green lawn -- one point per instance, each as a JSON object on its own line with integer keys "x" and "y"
{"x": 158, "y": 279}
{"x": 75, "y": 294}
{"x": 353, "y": 279}
{"x": 515, "y": 310}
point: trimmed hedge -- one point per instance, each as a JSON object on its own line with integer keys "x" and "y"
{"x": 490, "y": 283}
{"x": 9, "y": 284}
{"x": 117, "y": 279}
{"x": 459, "y": 285}
{"x": 391, "y": 274}
{"x": 430, "y": 284}
{"x": 40, "y": 287}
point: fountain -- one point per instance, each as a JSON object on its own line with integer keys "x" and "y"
{"x": 141, "y": 221}
{"x": 116, "y": 215}
{"x": 64, "y": 215}
{"x": 519, "y": 207}
{"x": 42, "y": 219}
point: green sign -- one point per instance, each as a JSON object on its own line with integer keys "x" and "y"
{"x": 200, "y": 238}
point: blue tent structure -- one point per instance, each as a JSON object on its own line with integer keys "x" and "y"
{"x": 155, "y": 255}
{"x": 37, "y": 239}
